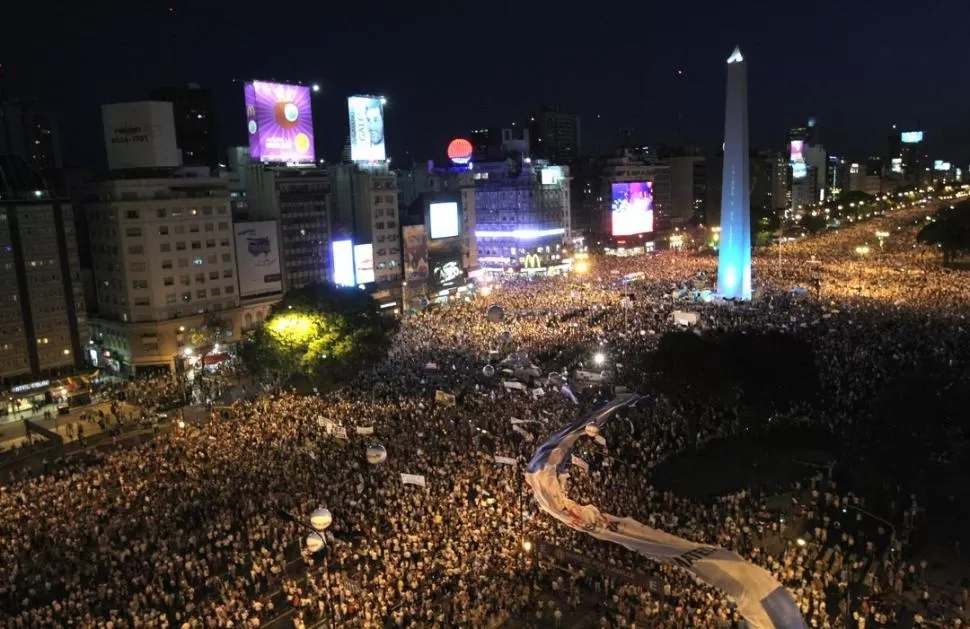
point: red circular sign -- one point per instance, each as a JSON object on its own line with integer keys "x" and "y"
{"x": 460, "y": 151}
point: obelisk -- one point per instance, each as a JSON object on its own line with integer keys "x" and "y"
{"x": 734, "y": 259}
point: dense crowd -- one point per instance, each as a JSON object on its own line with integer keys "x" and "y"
{"x": 184, "y": 531}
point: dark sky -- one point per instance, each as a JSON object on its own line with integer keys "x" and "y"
{"x": 447, "y": 67}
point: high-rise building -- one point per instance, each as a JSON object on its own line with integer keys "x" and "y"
{"x": 522, "y": 213}
{"x": 734, "y": 260}
{"x": 42, "y": 312}
{"x": 30, "y": 135}
{"x": 687, "y": 188}
{"x": 195, "y": 123}
{"x": 163, "y": 258}
{"x": 299, "y": 200}
{"x": 493, "y": 144}
{"x": 555, "y": 135}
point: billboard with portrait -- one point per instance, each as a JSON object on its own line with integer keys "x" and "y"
{"x": 366, "y": 128}
{"x": 446, "y": 273}
{"x": 343, "y": 262}
{"x": 632, "y": 208}
{"x": 279, "y": 121}
{"x": 415, "y": 252}
{"x": 444, "y": 220}
{"x": 258, "y": 258}
{"x": 364, "y": 263}
{"x": 799, "y": 170}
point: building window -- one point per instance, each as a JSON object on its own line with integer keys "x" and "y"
{"x": 133, "y": 232}
{"x": 200, "y": 294}
{"x": 200, "y": 278}
{"x": 187, "y": 296}
{"x": 223, "y": 242}
{"x": 180, "y": 246}
{"x": 160, "y": 213}
{"x": 230, "y": 290}
{"x": 185, "y": 280}
{"x": 163, "y": 230}
{"x": 142, "y": 302}
{"x": 169, "y": 281}
{"x": 170, "y": 299}
{"x": 226, "y": 257}
{"x": 227, "y": 273}
{"x": 196, "y": 244}
{"x": 166, "y": 264}
{"x": 138, "y": 267}
{"x": 135, "y": 250}
{"x": 210, "y": 243}
{"x": 194, "y": 228}
{"x": 213, "y": 275}
{"x": 208, "y": 227}
{"x": 131, "y": 214}
{"x": 139, "y": 284}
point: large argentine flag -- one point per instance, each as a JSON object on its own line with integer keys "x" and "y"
{"x": 763, "y": 602}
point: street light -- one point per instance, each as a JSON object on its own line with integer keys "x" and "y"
{"x": 599, "y": 358}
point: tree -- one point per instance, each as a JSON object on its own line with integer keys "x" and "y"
{"x": 949, "y": 230}
{"x": 321, "y": 331}
{"x": 203, "y": 341}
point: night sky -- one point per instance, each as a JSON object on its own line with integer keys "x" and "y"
{"x": 448, "y": 67}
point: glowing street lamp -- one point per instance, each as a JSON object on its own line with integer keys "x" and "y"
{"x": 599, "y": 358}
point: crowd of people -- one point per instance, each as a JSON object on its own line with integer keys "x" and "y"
{"x": 186, "y": 530}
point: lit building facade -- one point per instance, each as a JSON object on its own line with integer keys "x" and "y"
{"x": 43, "y": 324}
{"x": 522, "y": 214}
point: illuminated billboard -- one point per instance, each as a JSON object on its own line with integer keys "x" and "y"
{"x": 366, "y": 129}
{"x": 911, "y": 137}
{"x": 460, "y": 151}
{"x": 444, "y": 220}
{"x": 897, "y": 165}
{"x": 415, "y": 252}
{"x": 632, "y": 208}
{"x": 258, "y": 258}
{"x": 279, "y": 122}
{"x": 343, "y": 262}
{"x": 140, "y": 135}
{"x": 364, "y": 263}
{"x": 941, "y": 165}
{"x": 447, "y": 273}
{"x": 798, "y": 167}
{"x": 551, "y": 175}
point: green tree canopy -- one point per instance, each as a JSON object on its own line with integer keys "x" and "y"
{"x": 321, "y": 331}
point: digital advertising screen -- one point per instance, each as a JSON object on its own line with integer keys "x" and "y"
{"x": 897, "y": 165}
{"x": 366, "y": 129}
{"x": 551, "y": 175}
{"x": 911, "y": 137}
{"x": 632, "y": 208}
{"x": 797, "y": 147}
{"x": 447, "y": 273}
{"x": 415, "y": 252}
{"x": 364, "y": 263}
{"x": 939, "y": 164}
{"x": 444, "y": 220}
{"x": 279, "y": 122}
{"x": 258, "y": 258}
{"x": 343, "y": 262}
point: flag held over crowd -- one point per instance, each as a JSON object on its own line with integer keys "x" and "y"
{"x": 762, "y": 601}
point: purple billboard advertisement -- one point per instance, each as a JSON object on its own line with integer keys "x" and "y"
{"x": 279, "y": 122}
{"x": 632, "y": 208}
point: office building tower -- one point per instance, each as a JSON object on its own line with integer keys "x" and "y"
{"x": 42, "y": 314}
{"x": 195, "y": 123}
{"x": 522, "y": 214}
{"x": 30, "y": 135}
{"x": 687, "y": 188}
{"x": 493, "y": 144}
{"x": 299, "y": 201}
{"x": 734, "y": 260}
{"x": 555, "y": 135}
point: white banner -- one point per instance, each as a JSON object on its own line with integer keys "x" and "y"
{"x": 511, "y": 384}
{"x": 445, "y": 399}
{"x": 504, "y": 460}
{"x": 538, "y": 392}
{"x": 365, "y": 430}
{"x": 525, "y": 433}
{"x": 339, "y": 432}
{"x": 762, "y": 600}
{"x": 518, "y": 422}
{"x": 413, "y": 479}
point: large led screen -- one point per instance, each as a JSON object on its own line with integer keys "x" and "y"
{"x": 447, "y": 273}
{"x": 444, "y": 220}
{"x": 632, "y": 208}
{"x": 415, "y": 252}
{"x": 911, "y": 137}
{"x": 366, "y": 129}
{"x": 364, "y": 263}
{"x": 279, "y": 122}
{"x": 258, "y": 258}
{"x": 343, "y": 262}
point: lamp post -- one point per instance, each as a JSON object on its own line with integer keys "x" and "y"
{"x": 316, "y": 541}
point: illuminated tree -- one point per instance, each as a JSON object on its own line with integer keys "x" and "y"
{"x": 321, "y": 331}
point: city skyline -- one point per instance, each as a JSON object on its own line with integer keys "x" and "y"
{"x": 442, "y": 77}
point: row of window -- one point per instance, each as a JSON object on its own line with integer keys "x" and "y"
{"x": 185, "y": 280}
{"x": 163, "y": 230}
{"x": 176, "y": 212}
{"x": 172, "y": 298}
{"x": 184, "y": 262}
